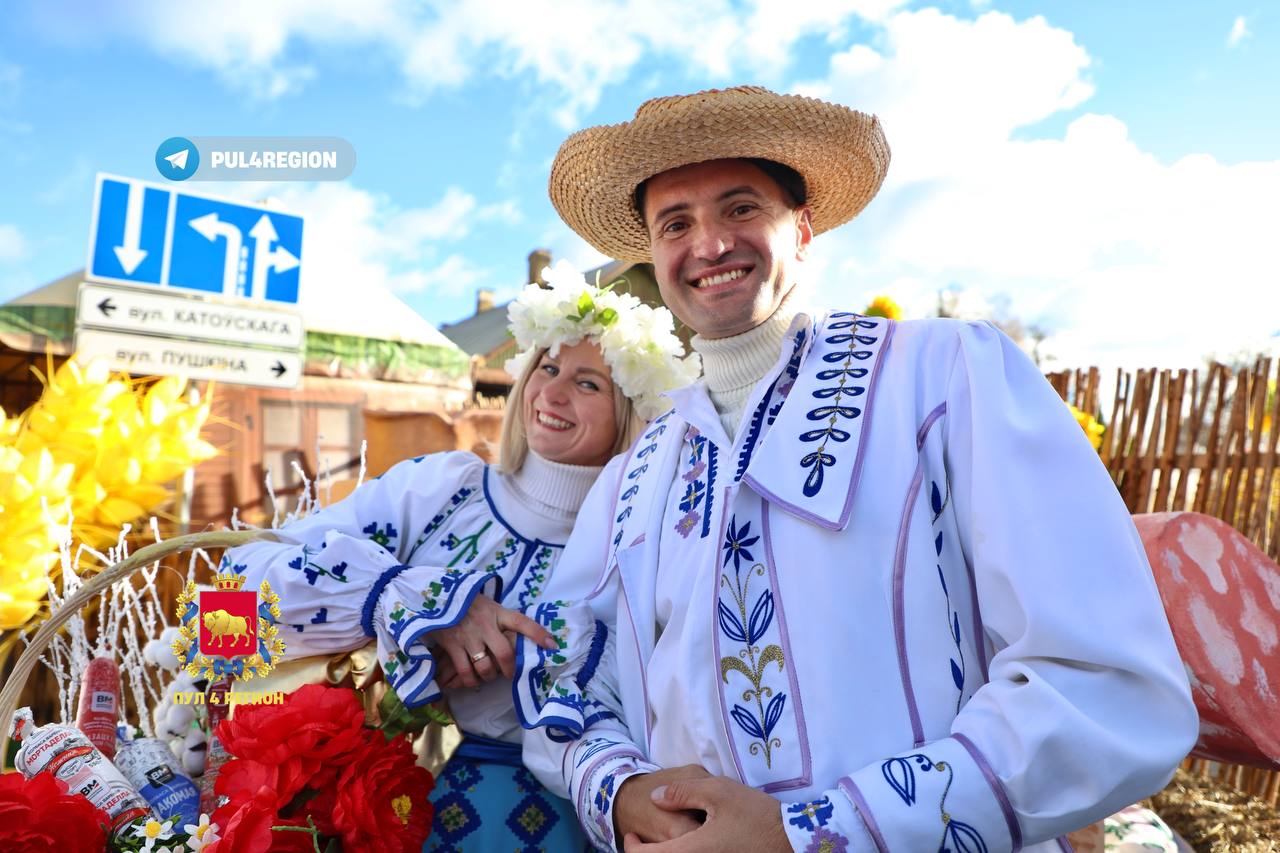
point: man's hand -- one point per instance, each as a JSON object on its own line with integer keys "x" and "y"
{"x": 637, "y": 815}
{"x": 480, "y": 646}
{"x": 738, "y": 818}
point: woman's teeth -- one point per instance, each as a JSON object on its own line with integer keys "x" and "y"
{"x": 552, "y": 421}
{"x": 722, "y": 278}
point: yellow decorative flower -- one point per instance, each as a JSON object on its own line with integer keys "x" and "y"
{"x": 1090, "y": 425}
{"x": 95, "y": 450}
{"x": 883, "y": 306}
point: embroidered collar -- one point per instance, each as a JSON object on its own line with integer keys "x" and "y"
{"x": 817, "y": 445}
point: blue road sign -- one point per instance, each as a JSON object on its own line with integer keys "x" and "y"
{"x": 148, "y": 234}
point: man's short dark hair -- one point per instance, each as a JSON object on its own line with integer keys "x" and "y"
{"x": 788, "y": 180}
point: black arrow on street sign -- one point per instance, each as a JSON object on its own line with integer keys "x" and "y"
{"x": 106, "y": 307}
{"x": 278, "y": 368}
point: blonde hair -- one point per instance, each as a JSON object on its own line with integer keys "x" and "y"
{"x": 513, "y": 445}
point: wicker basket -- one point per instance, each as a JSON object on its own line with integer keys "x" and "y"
{"x": 91, "y": 589}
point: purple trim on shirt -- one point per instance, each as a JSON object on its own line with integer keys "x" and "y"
{"x": 865, "y": 432}
{"x": 900, "y": 605}
{"x": 923, "y": 433}
{"x": 1064, "y": 844}
{"x": 850, "y": 789}
{"x": 623, "y": 751}
{"x": 1015, "y": 831}
{"x": 797, "y": 707}
{"x": 798, "y": 512}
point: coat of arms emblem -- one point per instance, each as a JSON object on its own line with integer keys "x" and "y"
{"x": 228, "y": 631}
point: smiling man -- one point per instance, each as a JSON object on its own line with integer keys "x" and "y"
{"x": 867, "y": 586}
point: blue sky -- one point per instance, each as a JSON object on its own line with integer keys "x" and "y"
{"x": 1109, "y": 170}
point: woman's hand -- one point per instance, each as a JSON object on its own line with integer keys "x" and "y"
{"x": 482, "y": 645}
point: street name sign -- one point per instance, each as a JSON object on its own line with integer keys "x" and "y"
{"x": 142, "y": 354}
{"x": 150, "y": 234}
{"x": 156, "y": 312}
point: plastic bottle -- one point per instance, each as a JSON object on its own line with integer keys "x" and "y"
{"x": 150, "y": 766}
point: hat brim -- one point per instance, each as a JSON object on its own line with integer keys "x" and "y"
{"x": 841, "y": 153}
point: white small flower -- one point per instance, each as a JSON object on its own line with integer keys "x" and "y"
{"x": 202, "y": 834}
{"x": 152, "y": 831}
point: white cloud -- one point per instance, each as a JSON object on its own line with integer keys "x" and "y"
{"x": 454, "y": 276}
{"x": 1239, "y": 32}
{"x": 1127, "y": 260}
{"x": 566, "y": 51}
{"x": 13, "y": 246}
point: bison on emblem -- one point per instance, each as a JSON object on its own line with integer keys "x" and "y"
{"x": 220, "y": 624}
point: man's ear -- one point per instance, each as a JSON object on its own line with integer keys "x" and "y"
{"x": 804, "y": 231}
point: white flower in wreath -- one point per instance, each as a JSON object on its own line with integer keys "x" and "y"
{"x": 202, "y": 834}
{"x": 638, "y": 343}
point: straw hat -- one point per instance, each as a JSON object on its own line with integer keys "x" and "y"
{"x": 841, "y": 153}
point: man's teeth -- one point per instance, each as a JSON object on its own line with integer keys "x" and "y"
{"x": 723, "y": 278}
{"x": 552, "y": 421}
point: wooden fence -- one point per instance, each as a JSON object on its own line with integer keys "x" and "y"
{"x": 1201, "y": 441}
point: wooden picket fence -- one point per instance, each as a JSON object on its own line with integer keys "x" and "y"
{"x": 1201, "y": 441}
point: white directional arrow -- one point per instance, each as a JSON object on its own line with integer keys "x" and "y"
{"x": 279, "y": 259}
{"x": 130, "y": 252}
{"x": 211, "y": 228}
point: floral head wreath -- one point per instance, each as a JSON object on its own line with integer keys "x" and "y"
{"x": 638, "y": 342}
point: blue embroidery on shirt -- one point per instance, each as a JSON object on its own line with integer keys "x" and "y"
{"x": 901, "y": 776}
{"x": 839, "y": 396}
{"x": 809, "y": 816}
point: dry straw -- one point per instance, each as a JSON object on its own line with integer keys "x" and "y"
{"x": 841, "y": 153}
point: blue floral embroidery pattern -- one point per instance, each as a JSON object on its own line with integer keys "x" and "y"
{"x": 746, "y": 623}
{"x": 603, "y": 801}
{"x": 314, "y": 571}
{"x": 810, "y": 816}
{"x": 384, "y": 536}
{"x": 767, "y": 410}
{"x": 937, "y": 503}
{"x": 703, "y": 455}
{"x": 536, "y": 575}
{"x": 457, "y": 500}
{"x": 657, "y": 428}
{"x": 901, "y": 776}
{"x": 838, "y": 395}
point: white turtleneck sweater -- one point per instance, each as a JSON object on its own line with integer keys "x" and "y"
{"x": 542, "y": 498}
{"x": 732, "y": 366}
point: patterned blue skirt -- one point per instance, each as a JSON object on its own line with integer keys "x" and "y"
{"x": 486, "y": 800}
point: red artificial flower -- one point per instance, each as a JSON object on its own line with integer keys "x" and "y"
{"x": 38, "y": 815}
{"x": 245, "y": 826}
{"x": 380, "y": 802}
{"x": 308, "y": 738}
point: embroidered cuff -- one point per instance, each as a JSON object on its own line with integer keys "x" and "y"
{"x": 829, "y": 824}
{"x": 600, "y": 767}
{"x": 414, "y": 602}
{"x": 567, "y": 689}
{"x": 941, "y": 795}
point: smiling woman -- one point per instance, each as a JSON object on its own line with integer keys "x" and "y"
{"x": 442, "y": 557}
